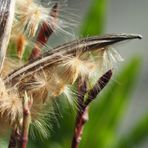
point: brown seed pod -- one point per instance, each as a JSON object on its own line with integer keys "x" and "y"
{"x": 51, "y": 69}
{"x": 6, "y": 19}
{"x": 63, "y": 52}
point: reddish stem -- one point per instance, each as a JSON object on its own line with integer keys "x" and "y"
{"x": 26, "y": 121}
{"x": 82, "y": 116}
{"x": 13, "y": 140}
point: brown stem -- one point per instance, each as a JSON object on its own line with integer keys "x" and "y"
{"x": 82, "y": 116}
{"x": 27, "y": 103}
{"x": 45, "y": 32}
{"x": 13, "y": 140}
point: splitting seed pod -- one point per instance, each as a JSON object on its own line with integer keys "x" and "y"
{"x": 6, "y": 19}
{"x": 53, "y": 71}
{"x": 48, "y": 75}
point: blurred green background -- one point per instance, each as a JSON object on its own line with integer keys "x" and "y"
{"x": 118, "y": 118}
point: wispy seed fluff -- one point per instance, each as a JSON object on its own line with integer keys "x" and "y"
{"x": 28, "y": 17}
{"x": 90, "y": 65}
{"x": 73, "y": 67}
{"x": 10, "y": 105}
{"x": 52, "y": 81}
{"x": 31, "y": 16}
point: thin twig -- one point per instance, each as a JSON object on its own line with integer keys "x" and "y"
{"x": 82, "y": 116}
{"x": 82, "y": 89}
{"x": 27, "y": 103}
{"x": 13, "y": 140}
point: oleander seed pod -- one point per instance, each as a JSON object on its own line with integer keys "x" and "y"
{"x": 53, "y": 71}
{"x": 7, "y": 8}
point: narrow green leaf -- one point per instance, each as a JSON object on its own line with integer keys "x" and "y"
{"x": 138, "y": 134}
{"x": 94, "y": 21}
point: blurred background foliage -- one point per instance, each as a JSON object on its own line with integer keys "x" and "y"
{"x": 107, "y": 111}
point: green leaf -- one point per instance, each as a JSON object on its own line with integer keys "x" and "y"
{"x": 136, "y": 135}
{"x": 94, "y": 21}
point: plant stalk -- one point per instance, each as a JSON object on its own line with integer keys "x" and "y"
{"x": 82, "y": 115}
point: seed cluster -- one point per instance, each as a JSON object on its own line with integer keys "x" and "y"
{"x": 48, "y": 75}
